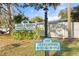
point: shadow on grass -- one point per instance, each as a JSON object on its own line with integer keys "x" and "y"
{"x": 10, "y": 46}
{"x": 64, "y": 47}
{"x": 16, "y": 45}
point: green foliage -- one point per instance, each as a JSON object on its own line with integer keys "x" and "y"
{"x": 24, "y": 34}
{"x": 19, "y": 34}
{"x": 19, "y": 18}
{"x": 37, "y": 33}
{"x": 39, "y": 6}
{"x": 75, "y": 14}
{"x": 63, "y": 14}
{"x": 37, "y": 19}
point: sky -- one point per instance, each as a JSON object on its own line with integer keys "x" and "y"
{"x": 52, "y": 13}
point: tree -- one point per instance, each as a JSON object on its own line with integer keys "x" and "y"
{"x": 0, "y": 20}
{"x": 69, "y": 20}
{"x": 71, "y": 15}
{"x": 75, "y": 14}
{"x": 63, "y": 14}
{"x": 66, "y": 14}
{"x": 19, "y": 18}
{"x": 3, "y": 15}
{"x": 10, "y": 18}
{"x": 7, "y": 7}
{"x": 0, "y": 15}
{"x": 37, "y": 19}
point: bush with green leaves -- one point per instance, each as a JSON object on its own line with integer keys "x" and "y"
{"x": 24, "y": 34}
{"x": 37, "y": 33}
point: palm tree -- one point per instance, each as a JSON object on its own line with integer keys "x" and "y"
{"x": 69, "y": 20}
{"x": 66, "y": 14}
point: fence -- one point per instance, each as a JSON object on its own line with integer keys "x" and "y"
{"x": 55, "y": 29}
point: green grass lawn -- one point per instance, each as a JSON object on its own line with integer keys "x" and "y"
{"x": 26, "y": 48}
{"x": 71, "y": 48}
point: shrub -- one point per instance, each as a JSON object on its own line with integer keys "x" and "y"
{"x": 24, "y": 34}
{"x": 19, "y": 34}
{"x": 37, "y": 33}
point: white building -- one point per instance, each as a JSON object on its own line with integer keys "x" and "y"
{"x": 60, "y": 29}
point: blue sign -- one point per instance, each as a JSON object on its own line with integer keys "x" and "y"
{"x": 47, "y": 45}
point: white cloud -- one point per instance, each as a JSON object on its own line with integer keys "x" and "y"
{"x": 53, "y": 18}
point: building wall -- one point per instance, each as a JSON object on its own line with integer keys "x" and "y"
{"x": 76, "y": 29}
{"x": 60, "y": 29}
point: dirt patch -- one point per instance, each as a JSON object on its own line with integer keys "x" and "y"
{"x": 7, "y": 42}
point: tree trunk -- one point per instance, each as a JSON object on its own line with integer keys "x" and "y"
{"x": 0, "y": 20}
{"x": 10, "y": 18}
{"x": 69, "y": 20}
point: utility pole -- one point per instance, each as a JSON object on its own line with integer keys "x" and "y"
{"x": 46, "y": 25}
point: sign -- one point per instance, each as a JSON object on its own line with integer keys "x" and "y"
{"x": 47, "y": 45}
{"x": 30, "y": 26}
{"x": 25, "y": 26}
{"x": 19, "y": 27}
